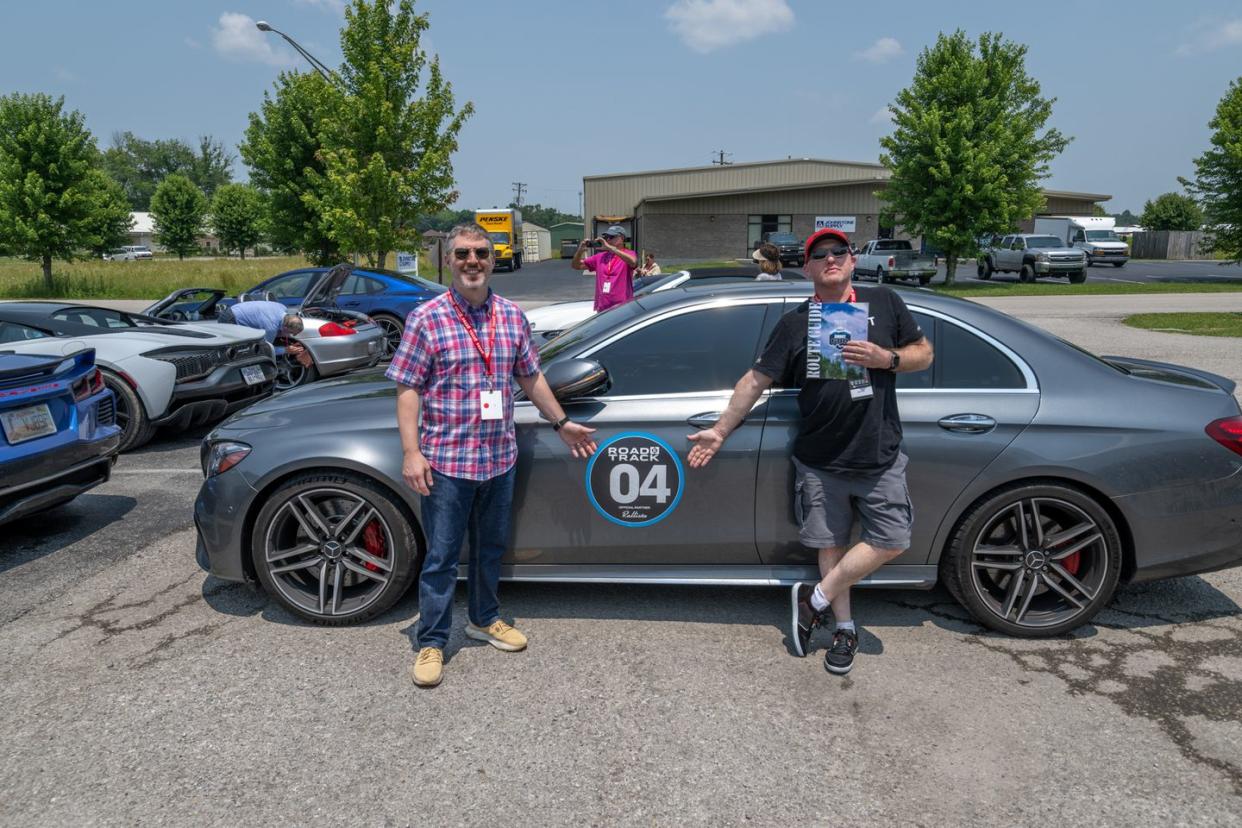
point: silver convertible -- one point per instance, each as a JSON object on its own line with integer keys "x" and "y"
{"x": 1041, "y": 476}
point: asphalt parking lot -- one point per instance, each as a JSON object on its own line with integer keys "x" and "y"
{"x": 135, "y": 689}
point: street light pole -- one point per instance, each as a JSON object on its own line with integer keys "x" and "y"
{"x": 315, "y": 63}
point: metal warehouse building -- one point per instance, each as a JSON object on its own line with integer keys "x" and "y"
{"x": 722, "y": 211}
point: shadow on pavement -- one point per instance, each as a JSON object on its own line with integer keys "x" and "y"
{"x": 35, "y": 536}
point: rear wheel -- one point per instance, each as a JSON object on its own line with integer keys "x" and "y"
{"x": 1034, "y": 559}
{"x": 334, "y": 548}
{"x": 1028, "y": 273}
{"x": 131, "y": 416}
{"x": 392, "y": 328}
{"x": 924, "y": 280}
{"x": 986, "y": 270}
{"x": 880, "y": 278}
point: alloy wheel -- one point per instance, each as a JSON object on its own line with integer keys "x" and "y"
{"x": 1040, "y": 562}
{"x": 392, "y": 335}
{"x": 329, "y": 552}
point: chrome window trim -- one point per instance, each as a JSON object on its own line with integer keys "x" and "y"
{"x": 681, "y": 311}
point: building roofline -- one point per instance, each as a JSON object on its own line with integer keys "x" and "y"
{"x": 764, "y": 188}
{"x": 1072, "y": 194}
{"x": 672, "y": 170}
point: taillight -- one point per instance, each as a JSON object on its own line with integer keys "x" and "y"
{"x": 1228, "y": 432}
{"x": 88, "y": 385}
{"x": 892, "y": 262}
{"x": 335, "y": 329}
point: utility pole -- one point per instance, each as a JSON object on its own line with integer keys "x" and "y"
{"x": 580, "y": 215}
{"x": 519, "y": 187}
{"x": 720, "y": 161}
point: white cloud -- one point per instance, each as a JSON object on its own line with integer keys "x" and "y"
{"x": 706, "y": 25}
{"x": 1210, "y": 37}
{"x": 336, "y": 6}
{"x": 882, "y": 51}
{"x": 238, "y": 39}
{"x": 881, "y": 116}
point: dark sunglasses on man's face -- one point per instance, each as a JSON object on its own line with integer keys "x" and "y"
{"x": 463, "y": 253}
{"x": 835, "y": 252}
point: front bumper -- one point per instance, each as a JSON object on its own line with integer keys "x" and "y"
{"x": 218, "y": 394}
{"x": 35, "y": 483}
{"x": 1059, "y": 267}
{"x": 1186, "y": 530}
{"x": 1108, "y": 256}
{"x": 219, "y": 520}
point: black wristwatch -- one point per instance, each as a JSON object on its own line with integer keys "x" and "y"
{"x": 895, "y": 361}
{"x": 556, "y": 426}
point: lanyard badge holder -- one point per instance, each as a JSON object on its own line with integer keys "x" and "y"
{"x": 491, "y": 403}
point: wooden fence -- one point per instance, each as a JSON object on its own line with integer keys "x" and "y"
{"x": 1168, "y": 244}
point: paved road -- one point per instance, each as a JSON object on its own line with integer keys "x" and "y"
{"x": 133, "y": 689}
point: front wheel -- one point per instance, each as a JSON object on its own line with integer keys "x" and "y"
{"x": 1078, "y": 277}
{"x": 1089, "y": 262}
{"x": 1119, "y": 264}
{"x": 986, "y": 270}
{"x": 334, "y": 548}
{"x": 1034, "y": 559}
{"x": 1027, "y": 274}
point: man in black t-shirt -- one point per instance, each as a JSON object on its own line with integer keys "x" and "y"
{"x": 847, "y": 454}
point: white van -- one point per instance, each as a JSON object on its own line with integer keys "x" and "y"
{"x": 1093, "y": 235}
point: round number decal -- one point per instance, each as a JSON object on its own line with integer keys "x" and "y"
{"x": 634, "y": 479}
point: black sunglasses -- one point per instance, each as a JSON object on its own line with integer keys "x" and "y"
{"x": 463, "y": 253}
{"x": 835, "y": 252}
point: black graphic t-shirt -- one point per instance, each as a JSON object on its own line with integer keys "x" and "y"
{"x": 837, "y": 433}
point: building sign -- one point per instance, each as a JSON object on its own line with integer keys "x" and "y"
{"x": 634, "y": 479}
{"x": 407, "y": 262}
{"x": 845, "y": 224}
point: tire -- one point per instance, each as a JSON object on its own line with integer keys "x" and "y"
{"x": 1039, "y": 586}
{"x": 131, "y": 415}
{"x": 1078, "y": 277}
{"x": 393, "y": 328}
{"x": 986, "y": 269}
{"x": 924, "y": 280}
{"x": 347, "y": 582}
{"x": 517, "y": 263}
{"x": 880, "y": 278}
{"x": 1089, "y": 262}
{"x": 291, "y": 374}
{"x": 1028, "y": 274}
{"x": 1119, "y": 264}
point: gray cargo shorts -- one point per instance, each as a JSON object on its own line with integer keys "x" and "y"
{"x": 825, "y": 502}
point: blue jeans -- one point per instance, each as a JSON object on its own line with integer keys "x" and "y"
{"x": 455, "y": 509}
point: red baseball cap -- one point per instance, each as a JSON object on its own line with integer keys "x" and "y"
{"x": 824, "y": 233}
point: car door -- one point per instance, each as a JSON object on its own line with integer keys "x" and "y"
{"x": 671, "y": 374}
{"x": 359, "y": 293}
{"x": 956, "y": 418}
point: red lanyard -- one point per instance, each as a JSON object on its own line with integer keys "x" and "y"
{"x": 474, "y": 337}
{"x": 853, "y": 297}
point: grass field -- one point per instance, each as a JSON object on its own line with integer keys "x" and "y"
{"x": 151, "y": 279}
{"x": 1200, "y": 324}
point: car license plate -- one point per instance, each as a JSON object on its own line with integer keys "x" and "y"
{"x": 28, "y": 423}
{"x": 252, "y": 374}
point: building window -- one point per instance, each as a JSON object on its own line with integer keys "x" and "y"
{"x": 756, "y": 226}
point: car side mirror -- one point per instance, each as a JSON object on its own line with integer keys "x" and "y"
{"x": 575, "y": 378}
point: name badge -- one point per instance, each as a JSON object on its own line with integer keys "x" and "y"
{"x": 491, "y": 406}
{"x": 607, "y": 288}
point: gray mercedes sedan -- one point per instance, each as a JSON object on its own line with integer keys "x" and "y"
{"x": 1041, "y": 476}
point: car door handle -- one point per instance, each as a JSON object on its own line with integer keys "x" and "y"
{"x": 705, "y": 420}
{"x": 350, "y": 304}
{"x": 968, "y": 423}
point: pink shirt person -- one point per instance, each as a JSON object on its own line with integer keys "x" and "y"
{"x": 614, "y": 279}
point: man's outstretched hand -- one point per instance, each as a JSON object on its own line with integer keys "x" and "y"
{"x": 706, "y": 443}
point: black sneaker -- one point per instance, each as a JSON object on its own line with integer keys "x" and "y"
{"x": 804, "y": 617}
{"x": 840, "y": 656}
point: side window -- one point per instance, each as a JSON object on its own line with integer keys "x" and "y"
{"x": 353, "y": 284}
{"x": 963, "y": 360}
{"x": 706, "y": 350}
{"x": 926, "y": 377}
{"x": 370, "y": 286}
{"x": 291, "y": 286}
{"x": 12, "y": 332}
{"x": 1079, "y": 236}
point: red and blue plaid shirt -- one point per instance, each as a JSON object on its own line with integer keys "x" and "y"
{"x": 438, "y": 359}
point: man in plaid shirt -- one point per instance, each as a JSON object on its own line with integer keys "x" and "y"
{"x": 455, "y": 414}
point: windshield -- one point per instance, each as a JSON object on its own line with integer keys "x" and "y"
{"x": 648, "y": 285}
{"x": 893, "y": 245}
{"x": 499, "y": 238}
{"x": 1044, "y": 241}
{"x": 586, "y": 329}
{"x": 1102, "y": 235}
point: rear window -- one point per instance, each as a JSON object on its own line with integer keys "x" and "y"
{"x": 891, "y": 244}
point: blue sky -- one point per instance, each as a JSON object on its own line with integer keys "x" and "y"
{"x": 567, "y": 89}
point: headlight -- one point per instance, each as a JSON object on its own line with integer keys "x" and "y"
{"x": 222, "y": 456}
{"x": 1041, "y": 257}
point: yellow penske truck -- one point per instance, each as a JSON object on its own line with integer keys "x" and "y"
{"x": 505, "y": 229}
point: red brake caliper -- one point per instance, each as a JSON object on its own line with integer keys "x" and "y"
{"x": 373, "y": 540}
{"x": 1071, "y": 563}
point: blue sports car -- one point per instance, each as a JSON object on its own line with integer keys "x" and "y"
{"x": 384, "y": 295}
{"x": 58, "y": 432}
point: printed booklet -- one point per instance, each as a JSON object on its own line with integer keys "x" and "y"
{"x": 829, "y": 327}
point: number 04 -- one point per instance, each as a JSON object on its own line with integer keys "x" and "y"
{"x": 624, "y": 488}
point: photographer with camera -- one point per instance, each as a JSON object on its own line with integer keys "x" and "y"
{"x": 614, "y": 267}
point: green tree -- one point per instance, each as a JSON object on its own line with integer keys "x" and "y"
{"x": 54, "y": 199}
{"x": 1218, "y": 177}
{"x": 444, "y": 220}
{"x": 388, "y": 139}
{"x": 285, "y": 158}
{"x": 179, "y": 208}
{"x": 110, "y": 220}
{"x": 1171, "y": 211}
{"x": 966, "y": 152}
{"x": 139, "y": 165}
{"x": 544, "y": 216}
{"x": 212, "y": 167}
{"x": 1126, "y": 219}
{"x": 237, "y": 216}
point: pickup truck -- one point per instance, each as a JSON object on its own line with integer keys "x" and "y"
{"x": 886, "y": 260}
{"x": 1031, "y": 256}
{"x": 789, "y": 245}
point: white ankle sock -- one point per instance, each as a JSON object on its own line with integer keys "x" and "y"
{"x": 818, "y": 602}
{"x": 847, "y": 625}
